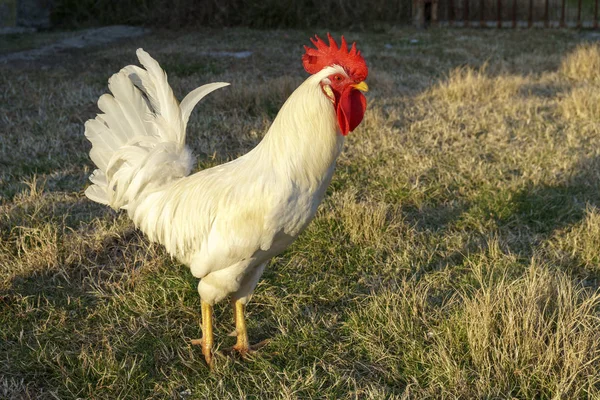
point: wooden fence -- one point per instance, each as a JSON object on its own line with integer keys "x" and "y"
{"x": 507, "y": 13}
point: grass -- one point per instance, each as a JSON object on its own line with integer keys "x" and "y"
{"x": 26, "y": 41}
{"x": 455, "y": 255}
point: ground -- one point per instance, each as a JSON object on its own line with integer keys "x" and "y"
{"x": 455, "y": 255}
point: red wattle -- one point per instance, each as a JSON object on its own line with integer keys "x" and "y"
{"x": 350, "y": 110}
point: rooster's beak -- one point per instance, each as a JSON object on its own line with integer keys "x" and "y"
{"x": 362, "y": 86}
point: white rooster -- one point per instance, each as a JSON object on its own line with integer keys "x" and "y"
{"x": 225, "y": 222}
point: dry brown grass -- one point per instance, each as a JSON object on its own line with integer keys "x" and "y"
{"x": 534, "y": 336}
{"x": 583, "y": 104}
{"x": 583, "y": 64}
{"x": 455, "y": 256}
{"x": 578, "y": 244}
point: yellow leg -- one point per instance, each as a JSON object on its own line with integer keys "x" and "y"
{"x": 207, "y": 332}
{"x": 242, "y": 345}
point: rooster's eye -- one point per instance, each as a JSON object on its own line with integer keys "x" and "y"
{"x": 337, "y": 77}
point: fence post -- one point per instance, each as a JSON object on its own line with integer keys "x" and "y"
{"x": 418, "y": 14}
{"x": 466, "y": 14}
{"x": 596, "y": 15}
{"x": 499, "y": 14}
{"x": 450, "y": 12}
{"x": 547, "y": 15}
{"x": 562, "y": 14}
{"x": 530, "y": 18}
{"x": 481, "y": 14}
{"x": 514, "y": 14}
{"x": 434, "y": 13}
{"x": 8, "y": 13}
{"x": 579, "y": 14}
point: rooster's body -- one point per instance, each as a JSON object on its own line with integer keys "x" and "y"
{"x": 225, "y": 222}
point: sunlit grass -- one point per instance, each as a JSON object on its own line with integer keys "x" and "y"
{"x": 455, "y": 255}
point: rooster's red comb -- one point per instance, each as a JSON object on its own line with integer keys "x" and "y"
{"x": 323, "y": 56}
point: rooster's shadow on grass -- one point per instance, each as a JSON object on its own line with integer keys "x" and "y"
{"x": 543, "y": 210}
{"x": 521, "y": 220}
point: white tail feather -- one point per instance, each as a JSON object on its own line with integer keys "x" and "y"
{"x": 138, "y": 143}
{"x": 189, "y": 102}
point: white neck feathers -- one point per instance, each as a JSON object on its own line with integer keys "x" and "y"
{"x": 304, "y": 140}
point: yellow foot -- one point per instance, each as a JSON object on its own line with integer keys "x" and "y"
{"x": 247, "y": 351}
{"x": 206, "y": 350}
{"x": 207, "y": 340}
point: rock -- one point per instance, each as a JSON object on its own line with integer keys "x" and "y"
{"x": 13, "y": 30}
{"x": 238, "y": 54}
{"x": 86, "y": 38}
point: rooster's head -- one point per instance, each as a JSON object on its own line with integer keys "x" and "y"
{"x": 346, "y": 81}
